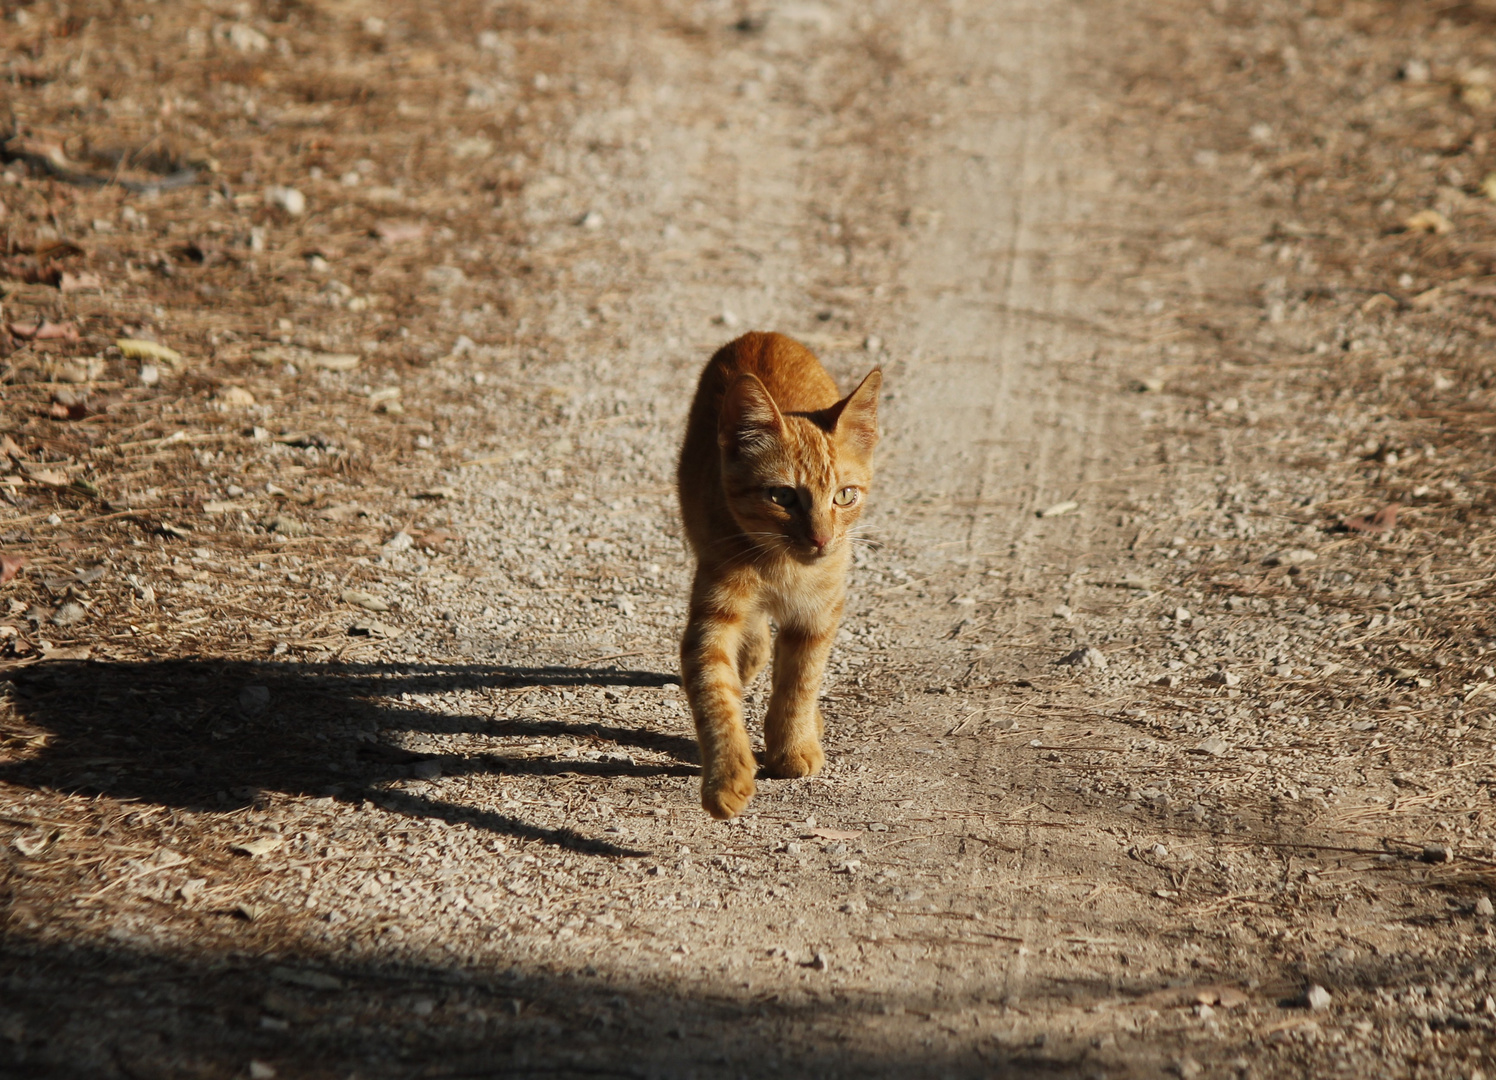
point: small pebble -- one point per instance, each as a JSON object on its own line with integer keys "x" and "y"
{"x": 1317, "y": 997}
{"x": 1484, "y": 907}
{"x": 288, "y": 199}
{"x": 1084, "y": 658}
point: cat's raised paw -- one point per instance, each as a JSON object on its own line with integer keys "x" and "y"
{"x": 803, "y": 760}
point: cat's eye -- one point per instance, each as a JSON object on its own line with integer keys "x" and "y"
{"x": 845, "y": 497}
{"x": 782, "y": 496}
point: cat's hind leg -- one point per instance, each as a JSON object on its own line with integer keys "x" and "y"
{"x": 753, "y": 653}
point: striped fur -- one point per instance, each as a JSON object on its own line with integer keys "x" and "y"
{"x": 769, "y": 445}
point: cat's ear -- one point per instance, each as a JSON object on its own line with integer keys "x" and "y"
{"x": 749, "y": 417}
{"x": 855, "y": 417}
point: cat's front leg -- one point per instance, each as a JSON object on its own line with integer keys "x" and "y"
{"x": 709, "y": 673}
{"x": 792, "y": 726}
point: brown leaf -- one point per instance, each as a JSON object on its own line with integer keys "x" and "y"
{"x": 1380, "y": 522}
{"x": 45, "y": 331}
{"x": 72, "y": 652}
{"x": 434, "y": 539}
{"x": 56, "y": 249}
{"x": 10, "y": 565}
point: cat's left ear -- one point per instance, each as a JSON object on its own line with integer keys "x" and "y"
{"x": 855, "y": 417}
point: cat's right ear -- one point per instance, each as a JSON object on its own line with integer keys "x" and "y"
{"x": 749, "y": 417}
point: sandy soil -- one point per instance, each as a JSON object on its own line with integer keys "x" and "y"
{"x": 1141, "y": 762}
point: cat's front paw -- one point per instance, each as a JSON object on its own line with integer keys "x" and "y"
{"x": 789, "y": 762}
{"x": 725, "y": 793}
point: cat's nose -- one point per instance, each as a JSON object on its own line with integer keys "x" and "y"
{"x": 821, "y": 541}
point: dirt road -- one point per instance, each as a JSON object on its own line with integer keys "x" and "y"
{"x": 1089, "y": 810}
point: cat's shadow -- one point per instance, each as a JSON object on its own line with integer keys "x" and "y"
{"x": 215, "y": 735}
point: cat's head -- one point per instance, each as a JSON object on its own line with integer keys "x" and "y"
{"x": 796, "y": 482}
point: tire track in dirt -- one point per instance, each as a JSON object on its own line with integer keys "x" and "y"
{"x": 993, "y": 424}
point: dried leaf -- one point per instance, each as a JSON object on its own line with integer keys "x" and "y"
{"x": 235, "y": 397}
{"x": 1058, "y": 509}
{"x": 68, "y": 614}
{"x": 302, "y": 439}
{"x": 73, "y": 652}
{"x": 45, "y": 331}
{"x": 10, "y": 565}
{"x": 334, "y": 361}
{"x": 56, "y": 249}
{"x": 832, "y": 834}
{"x": 138, "y": 349}
{"x": 364, "y": 600}
{"x": 1429, "y": 221}
{"x": 33, "y": 844}
{"x": 261, "y": 845}
{"x": 434, "y": 539}
{"x": 399, "y": 232}
{"x": 1383, "y": 521}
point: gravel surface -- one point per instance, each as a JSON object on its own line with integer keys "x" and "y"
{"x": 1142, "y": 760}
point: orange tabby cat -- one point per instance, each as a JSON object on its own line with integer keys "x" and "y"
{"x": 773, "y": 474}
